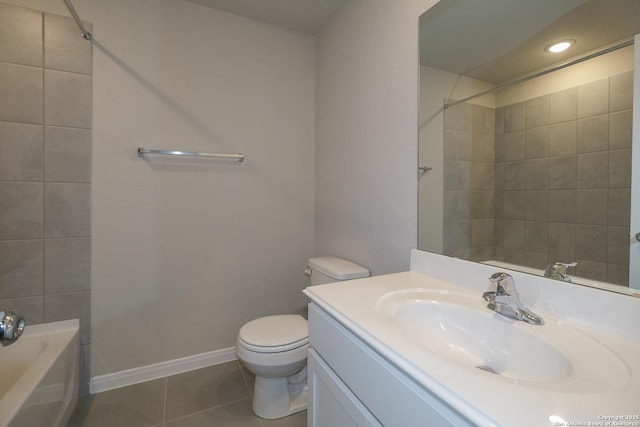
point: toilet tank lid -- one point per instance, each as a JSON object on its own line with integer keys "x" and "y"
{"x": 338, "y": 268}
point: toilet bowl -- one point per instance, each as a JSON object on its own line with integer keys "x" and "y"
{"x": 275, "y": 347}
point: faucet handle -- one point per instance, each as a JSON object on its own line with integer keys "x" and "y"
{"x": 505, "y": 286}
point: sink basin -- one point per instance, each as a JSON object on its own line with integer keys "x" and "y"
{"x": 459, "y": 329}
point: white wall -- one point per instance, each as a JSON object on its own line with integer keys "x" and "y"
{"x": 198, "y": 250}
{"x": 367, "y": 134}
{"x": 185, "y": 252}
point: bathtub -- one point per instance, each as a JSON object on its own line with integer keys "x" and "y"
{"x": 39, "y": 376}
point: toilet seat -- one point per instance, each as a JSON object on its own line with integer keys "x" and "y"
{"x": 274, "y": 334}
{"x": 273, "y": 349}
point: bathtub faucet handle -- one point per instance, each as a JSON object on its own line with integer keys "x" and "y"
{"x": 11, "y": 327}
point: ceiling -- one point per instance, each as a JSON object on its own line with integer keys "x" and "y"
{"x": 304, "y": 16}
{"x": 490, "y": 40}
{"x": 499, "y": 40}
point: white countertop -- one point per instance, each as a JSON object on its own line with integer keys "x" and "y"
{"x": 488, "y": 399}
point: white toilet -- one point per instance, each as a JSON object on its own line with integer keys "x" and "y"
{"x": 274, "y": 348}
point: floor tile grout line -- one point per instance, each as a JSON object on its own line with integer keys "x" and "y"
{"x": 164, "y": 402}
{"x": 244, "y": 380}
{"x": 244, "y": 377}
{"x": 209, "y": 409}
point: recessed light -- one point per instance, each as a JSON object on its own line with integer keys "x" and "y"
{"x": 560, "y": 46}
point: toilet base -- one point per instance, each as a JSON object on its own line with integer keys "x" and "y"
{"x": 278, "y": 397}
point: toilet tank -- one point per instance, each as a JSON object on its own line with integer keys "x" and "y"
{"x": 328, "y": 269}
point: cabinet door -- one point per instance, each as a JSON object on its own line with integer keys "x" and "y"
{"x": 331, "y": 403}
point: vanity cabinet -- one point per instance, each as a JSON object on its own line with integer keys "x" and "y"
{"x": 350, "y": 384}
{"x": 332, "y": 403}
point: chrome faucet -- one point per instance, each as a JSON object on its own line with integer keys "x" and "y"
{"x": 11, "y": 327}
{"x": 558, "y": 271}
{"x": 505, "y": 300}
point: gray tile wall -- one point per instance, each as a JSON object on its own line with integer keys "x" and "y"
{"x": 469, "y": 182}
{"x": 45, "y": 169}
{"x": 563, "y": 163}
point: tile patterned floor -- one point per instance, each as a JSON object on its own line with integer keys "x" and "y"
{"x": 217, "y": 396}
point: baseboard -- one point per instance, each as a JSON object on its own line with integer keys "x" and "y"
{"x": 160, "y": 370}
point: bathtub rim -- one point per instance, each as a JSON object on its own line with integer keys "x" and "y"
{"x": 58, "y": 336}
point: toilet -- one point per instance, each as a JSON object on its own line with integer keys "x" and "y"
{"x": 275, "y": 348}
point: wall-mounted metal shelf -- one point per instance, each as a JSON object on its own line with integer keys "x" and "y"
{"x": 144, "y": 152}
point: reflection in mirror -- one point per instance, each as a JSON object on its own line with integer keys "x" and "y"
{"x": 530, "y": 150}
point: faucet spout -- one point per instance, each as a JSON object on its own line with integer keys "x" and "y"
{"x": 506, "y": 301}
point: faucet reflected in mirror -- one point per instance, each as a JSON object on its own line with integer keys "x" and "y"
{"x": 531, "y": 173}
{"x": 558, "y": 271}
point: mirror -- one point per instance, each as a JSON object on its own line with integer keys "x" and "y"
{"x": 525, "y": 154}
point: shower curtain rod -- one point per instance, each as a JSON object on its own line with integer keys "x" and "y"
{"x": 542, "y": 73}
{"x": 83, "y": 31}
